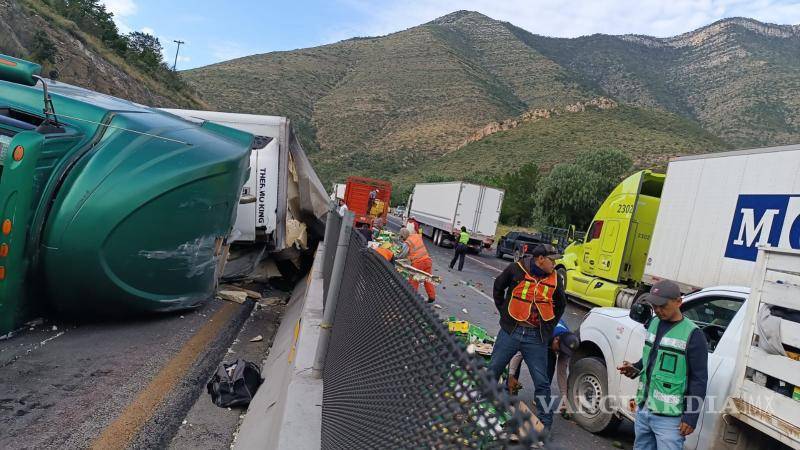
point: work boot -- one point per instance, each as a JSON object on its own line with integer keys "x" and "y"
{"x": 431, "y": 300}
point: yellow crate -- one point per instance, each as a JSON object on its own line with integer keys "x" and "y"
{"x": 459, "y": 326}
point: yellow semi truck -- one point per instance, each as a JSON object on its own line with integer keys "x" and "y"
{"x": 699, "y": 225}
{"x": 606, "y": 268}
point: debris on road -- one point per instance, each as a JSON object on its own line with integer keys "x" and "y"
{"x": 464, "y": 310}
{"x": 55, "y": 328}
{"x": 233, "y": 296}
{"x": 231, "y": 287}
{"x": 258, "y": 338}
{"x": 437, "y": 306}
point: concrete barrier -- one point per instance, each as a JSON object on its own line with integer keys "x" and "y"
{"x": 286, "y": 412}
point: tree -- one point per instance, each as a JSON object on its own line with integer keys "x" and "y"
{"x": 519, "y": 201}
{"x": 146, "y": 49}
{"x": 572, "y": 192}
{"x": 43, "y": 49}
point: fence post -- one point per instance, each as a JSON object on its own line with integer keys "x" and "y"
{"x": 333, "y": 293}
{"x": 328, "y": 230}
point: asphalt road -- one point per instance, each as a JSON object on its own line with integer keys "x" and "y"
{"x": 112, "y": 384}
{"x": 467, "y": 295}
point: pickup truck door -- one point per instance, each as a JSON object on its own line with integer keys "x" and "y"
{"x": 716, "y": 311}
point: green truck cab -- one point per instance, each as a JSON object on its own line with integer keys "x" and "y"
{"x": 108, "y": 206}
{"x": 606, "y": 268}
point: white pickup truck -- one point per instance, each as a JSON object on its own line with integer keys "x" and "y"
{"x": 602, "y": 397}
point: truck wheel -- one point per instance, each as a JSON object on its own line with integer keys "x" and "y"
{"x": 498, "y": 253}
{"x": 625, "y": 298}
{"x": 587, "y": 389}
{"x": 517, "y": 255}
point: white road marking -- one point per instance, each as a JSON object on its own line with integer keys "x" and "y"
{"x": 476, "y": 290}
{"x": 484, "y": 264}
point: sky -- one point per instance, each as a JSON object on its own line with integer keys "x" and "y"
{"x": 215, "y": 31}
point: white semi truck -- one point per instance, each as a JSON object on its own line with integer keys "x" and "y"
{"x": 442, "y": 208}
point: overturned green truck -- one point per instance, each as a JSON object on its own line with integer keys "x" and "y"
{"x": 108, "y": 206}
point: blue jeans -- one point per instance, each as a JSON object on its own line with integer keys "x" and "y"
{"x": 655, "y": 432}
{"x": 534, "y": 353}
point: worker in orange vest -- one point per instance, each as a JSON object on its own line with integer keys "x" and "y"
{"x": 529, "y": 295}
{"x": 414, "y": 249}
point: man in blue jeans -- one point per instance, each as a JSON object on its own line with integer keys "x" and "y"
{"x": 530, "y": 297}
{"x": 673, "y": 373}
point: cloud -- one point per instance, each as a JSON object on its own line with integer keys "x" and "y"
{"x": 121, "y": 9}
{"x": 568, "y": 19}
{"x": 149, "y": 30}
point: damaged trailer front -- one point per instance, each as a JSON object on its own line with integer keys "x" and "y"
{"x": 283, "y": 203}
{"x": 108, "y": 206}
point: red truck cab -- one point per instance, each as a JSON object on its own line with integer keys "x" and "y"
{"x": 357, "y": 199}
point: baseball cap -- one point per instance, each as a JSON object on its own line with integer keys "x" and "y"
{"x": 568, "y": 342}
{"x": 546, "y": 250}
{"x": 661, "y": 292}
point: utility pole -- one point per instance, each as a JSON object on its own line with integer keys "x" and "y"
{"x": 174, "y": 66}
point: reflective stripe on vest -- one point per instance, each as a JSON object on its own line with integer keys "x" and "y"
{"x": 666, "y": 385}
{"x": 416, "y": 249}
{"x": 520, "y": 306}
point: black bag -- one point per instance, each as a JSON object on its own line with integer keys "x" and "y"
{"x": 234, "y": 384}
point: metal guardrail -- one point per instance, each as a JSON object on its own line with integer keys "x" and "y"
{"x": 395, "y": 378}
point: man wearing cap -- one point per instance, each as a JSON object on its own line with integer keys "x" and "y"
{"x": 529, "y": 296}
{"x": 672, "y": 384}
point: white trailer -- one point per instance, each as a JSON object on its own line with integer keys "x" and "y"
{"x": 282, "y": 192}
{"x": 442, "y": 208}
{"x": 337, "y": 193}
{"x": 717, "y": 208}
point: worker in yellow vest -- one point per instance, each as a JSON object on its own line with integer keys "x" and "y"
{"x": 414, "y": 249}
{"x": 461, "y": 249}
{"x": 529, "y": 295}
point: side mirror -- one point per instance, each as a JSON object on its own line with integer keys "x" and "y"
{"x": 641, "y": 312}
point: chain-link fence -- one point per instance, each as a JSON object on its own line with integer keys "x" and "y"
{"x": 395, "y": 378}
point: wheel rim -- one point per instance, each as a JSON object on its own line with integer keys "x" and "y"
{"x": 588, "y": 393}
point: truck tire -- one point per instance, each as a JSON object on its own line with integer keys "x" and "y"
{"x": 625, "y": 298}
{"x": 517, "y": 255}
{"x": 498, "y": 253}
{"x": 587, "y": 394}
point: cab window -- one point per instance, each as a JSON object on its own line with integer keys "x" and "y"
{"x": 713, "y": 315}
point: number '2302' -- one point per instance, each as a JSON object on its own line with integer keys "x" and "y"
{"x": 624, "y": 209}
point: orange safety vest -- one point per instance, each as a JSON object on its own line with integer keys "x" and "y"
{"x": 532, "y": 290}
{"x": 386, "y": 253}
{"x": 416, "y": 249}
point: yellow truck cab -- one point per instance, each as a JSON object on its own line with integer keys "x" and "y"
{"x": 606, "y": 268}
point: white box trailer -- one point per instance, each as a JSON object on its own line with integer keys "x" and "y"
{"x": 717, "y": 208}
{"x": 441, "y": 208}
{"x": 283, "y": 193}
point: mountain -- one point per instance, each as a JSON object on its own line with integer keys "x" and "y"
{"x": 399, "y": 105}
{"x": 30, "y": 27}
